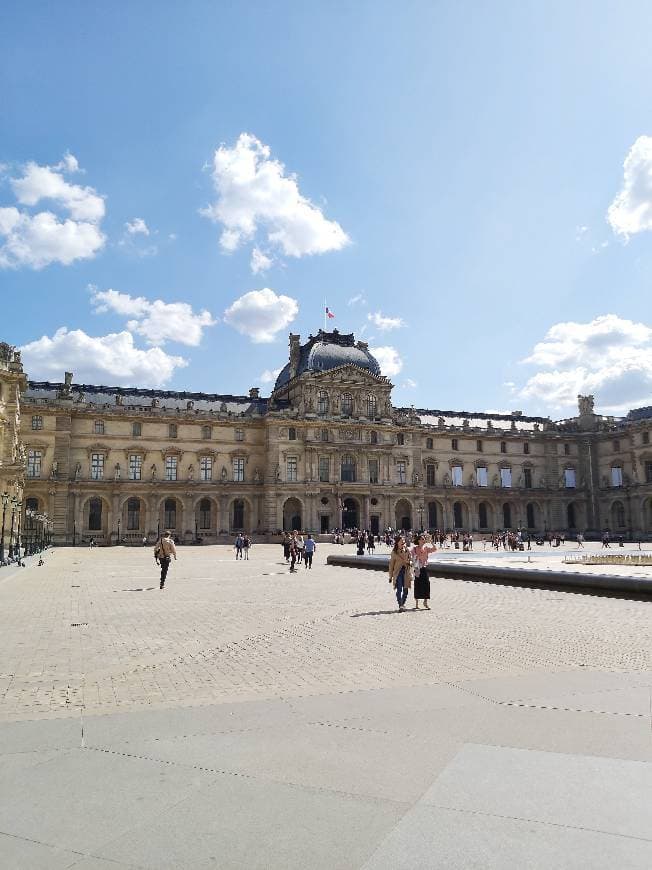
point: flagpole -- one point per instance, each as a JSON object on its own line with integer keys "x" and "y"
{"x": 324, "y": 314}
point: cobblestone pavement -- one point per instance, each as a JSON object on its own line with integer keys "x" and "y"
{"x": 91, "y": 631}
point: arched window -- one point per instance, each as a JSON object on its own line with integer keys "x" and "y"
{"x": 482, "y": 516}
{"x": 206, "y": 432}
{"x": 374, "y": 437}
{"x": 205, "y": 513}
{"x": 95, "y": 515}
{"x": 432, "y": 514}
{"x": 458, "y": 519}
{"x": 372, "y": 407}
{"x": 292, "y": 434}
{"x": 348, "y": 469}
{"x": 400, "y": 438}
{"x": 429, "y": 443}
{"x": 238, "y": 514}
{"x": 529, "y": 510}
{"x": 619, "y": 515}
{"x": 133, "y": 514}
{"x": 507, "y": 516}
{"x": 322, "y": 402}
{"x": 346, "y": 404}
{"x": 324, "y": 434}
{"x": 170, "y": 513}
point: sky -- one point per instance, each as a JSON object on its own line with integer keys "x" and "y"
{"x": 466, "y": 185}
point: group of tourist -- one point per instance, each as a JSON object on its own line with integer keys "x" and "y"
{"x": 408, "y": 563}
{"x": 297, "y": 549}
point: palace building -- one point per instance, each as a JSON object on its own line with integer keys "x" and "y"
{"x": 326, "y": 449}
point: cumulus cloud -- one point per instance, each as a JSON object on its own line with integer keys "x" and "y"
{"x": 385, "y": 323}
{"x": 137, "y": 226}
{"x": 155, "y": 320}
{"x": 609, "y": 357}
{"x": 389, "y": 360}
{"x": 269, "y": 376}
{"x": 112, "y": 359}
{"x": 255, "y": 194}
{"x": 631, "y": 210}
{"x": 261, "y": 314}
{"x": 41, "y": 238}
{"x": 260, "y": 262}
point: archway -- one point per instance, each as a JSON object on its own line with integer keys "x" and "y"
{"x": 96, "y": 517}
{"x": 433, "y": 515}
{"x": 571, "y": 516}
{"x": 134, "y": 514}
{"x": 171, "y": 514}
{"x": 403, "y": 513}
{"x": 350, "y": 514}
{"x": 507, "y": 516}
{"x": 237, "y": 515}
{"x": 530, "y": 514}
{"x": 618, "y": 515}
{"x": 647, "y": 514}
{"x": 292, "y": 515}
{"x": 484, "y": 515}
{"x": 205, "y": 515}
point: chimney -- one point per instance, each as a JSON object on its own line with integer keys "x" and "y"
{"x": 295, "y": 353}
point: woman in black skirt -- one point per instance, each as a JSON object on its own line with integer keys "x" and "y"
{"x": 420, "y": 552}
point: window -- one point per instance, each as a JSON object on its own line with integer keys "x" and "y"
{"x": 569, "y": 478}
{"x": 322, "y": 402}
{"x": 566, "y": 449}
{"x": 171, "y": 463}
{"x": 503, "y": 446}
{"x": 481, "y": 476}
{"x": 324, "y": 469}
{"x": 95, "y": 515}
{"x": 456, "y": 475}
{"x": 616, "y": 446}
{"x": 454, "y": 444}
{"x": 34, "y": 460}
{"x": 482, "y": 516}
{"x": 400, "y": 439}
{"x": 430, "y": 475}
{"x": 205, "y": 513}
{"x": 98, "y": 427}
{"x": 478, "y": 445}
{"x": 238, "y": 514}
{"x": 526, "y": 447}
{"x": 239, "y": 434}
{"x": 374, "y": 438}
{"x": 646, "y": 437}
{"x": 238, "y": 469}
{"x": 373, "y": 471}
{"x": 347, "y": 404}
{"x": 205, "y": 468}
{"x": 37, "y": 422}
{"x": 529, "y": 512}
{"x": 136, "y": 430}
{"x": 291, "y": 469}
{"x": 207, "y": 433}
{"x": 527, "y": 478}
{"x": 133, "y": 514}
{"x": 648, "y": 472}
{"x": 401, "y": 472}
{"x": 170, "y": 513}
{"x": 616, "y": 476}
{"x": 506, "y": 477}
{"x": 324, "y": 434}
{"x": 172, "y": 430}
{"x": 372, "y": 407}
{"x": 348, "y": 469}
{"x": 97, "y": 466}
{"x": 429, "y": 444}
{"x": 292, "y": 433}
{"x": 619, "y": 514}
{"x": 135, "y": 466}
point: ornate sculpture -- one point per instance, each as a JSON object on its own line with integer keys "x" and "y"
{"x": 54, "y": 471}
{"x": 223, "y": 474}
{"x": 256, "y": 475}
{"x": 116, "y": 475}
{"x": 78, "y": 471}
{"x": 191, "y": 472}
{"x": 585, "y": 405}
{"x": 153, "y": 472}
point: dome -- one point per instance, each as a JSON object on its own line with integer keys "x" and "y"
{"x": 329, "y": 350}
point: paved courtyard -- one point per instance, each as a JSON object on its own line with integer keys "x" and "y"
{"x": 246, "y": 717}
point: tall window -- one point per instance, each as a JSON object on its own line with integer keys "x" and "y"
{"x": 324, "y": 469}
{"x": 322, "y": 402}
{"x": 503, "y": 446}
{"x": 206, "y": 432}
{"x": 569, "y": 478}
{"x": 372, "y": 407}
{"x": 648, "y": 472}
{"x": 430, "y": 475}
{"x": 136, "y": 429}
{"x": 373, "y": 437}
{"x": 133, "y": 514}
{"x": 291, "y": 469}
{"x": 482, "y": 515}
{"x": 529, "y": 511}
{"x": 205, "y": 468}
{"x": 238, "y": 469}
{"x": 34, "y": 460}
{"x": 616, "y": 446}
{"x": 292, "y": 434}
{"x": 97, "y": 466}
{"x": 506, "y": 477}
{"x": 99, "y": 427}
{"x": 566, "y": 449}
{"x": 432, "y": 514}
{"x": 37, "y": 422}
{"x": 95, "y": 515}
{"x": 401, "y": 472}
{"x": 239, "y": 434}
{"x": 429, "y": 445}
{"x": 135, "y": 466}
{"x": 619, "y": 514}
{"x": 170, "y": 513}
{"x": 172, "y": 430}
{"x": 205, "y": 513}
{"x": 324, "y": 434}
{"x": 481, "y": 476}
{"x": 456, "y": 475}
{"x": 238, "y": 514}
{"x": 526, "y": 447}
{"x": 616, "y": 476}
{"x": 171, "y": 464}
{"x": 373, "y": 471}
{"x": 646, "y": 437}
{"x": 478, "y": 445}
{"x": 400, "y": 439}
{"x": 347, "y": 404}
{"x": 527, "y": 478}
{"x": 348, "y": 469}
{"x": 507, "y": 516}
{"x": 454, "y": 444}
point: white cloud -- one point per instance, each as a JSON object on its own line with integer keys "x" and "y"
{"x": 410, "y": 384}
{"x": 269, "y": 376}
{"x": 385, "y": 323}
{"x": 137, "y": 226}
{"x": 389, "y": 360}
{"x": 39, "y": 239}
{"x": 260, "y": 314}
{"x": 260, "y": 262}
{"x": 156, "y": 320}
{"x": 112, "y": 359}
{"x": 609, "y": 357}
{"x": 359, "y": 298}
{"x": 254, "y": 194}
{"x": 631, "y": 210}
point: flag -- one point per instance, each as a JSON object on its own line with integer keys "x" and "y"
{"x": 329, "y": 313}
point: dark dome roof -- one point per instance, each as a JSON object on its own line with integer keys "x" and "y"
{"x": 329, "y": 350}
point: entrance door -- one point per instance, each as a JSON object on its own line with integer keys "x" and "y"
{"x": 325, "y": 523}
{"x": 374, "y": 522}
{"x": 350, "y": 514}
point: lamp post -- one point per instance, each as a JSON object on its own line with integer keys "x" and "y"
{"x": 5, "y": 502}
{"x": 74, "y": 532}
{"x": 420, "y": 512}
{"x": 118, "y": 541}
{"x": 14, "y": 501}
{"x": 19, "y": 508}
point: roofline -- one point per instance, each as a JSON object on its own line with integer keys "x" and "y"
{"x": 479, "y": 415}
{"x": 132, "y": 391}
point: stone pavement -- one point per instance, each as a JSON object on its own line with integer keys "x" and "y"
{"x": 246, "y": 717}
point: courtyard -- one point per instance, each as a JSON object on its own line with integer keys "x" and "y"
{"x": 249, "y": 717}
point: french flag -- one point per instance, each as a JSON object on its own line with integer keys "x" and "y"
{"x": 329, "y": 313}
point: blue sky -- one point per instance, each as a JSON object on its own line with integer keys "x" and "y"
{"x": 450, "y": 166}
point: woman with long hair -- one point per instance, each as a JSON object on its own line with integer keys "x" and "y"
{"x": 420, "y": 553}
{"x": 400, "y": 571}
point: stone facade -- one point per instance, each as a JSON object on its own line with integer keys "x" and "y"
{"x": 12, "y": 459}
{"x": 326, "y": 449}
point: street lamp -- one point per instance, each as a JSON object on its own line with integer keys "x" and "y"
{"x": 14, "y": 502}
{"x": 118, "y": 541}
{"x": 420, "y": 512}
{"x": 19, "y": 508}
{"x": 5, "y": 502}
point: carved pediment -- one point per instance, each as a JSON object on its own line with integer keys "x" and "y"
{"x": 348, "y": 374}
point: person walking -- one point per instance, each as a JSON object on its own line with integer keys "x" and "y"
{"x": 163, "y": 553}
{"x": 309, "y": 551}
{"x": 246, "y": 544}
{"x": 580, "y": 541}
{"x": 400, "y": 572}
{"x": 239, "y": 543}
{"x": 420, "y": 553}
{"x": 286, "y": 547}
{"x": 293, "y": 553}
